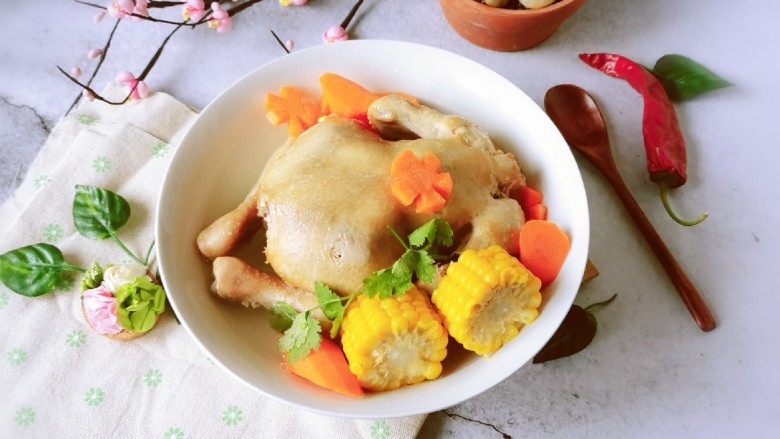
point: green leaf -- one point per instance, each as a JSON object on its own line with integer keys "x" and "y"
{"x": 684, "y": 78}
{"x": 575, "y": 334}
{"x": 139, "y": 303}
{"x": 432, "y": 232}
{"x": 301, "y": 337}
{"x": 98, "y": 213}
{"x": 334, "y": 330}
{"x": 32, "y": 270}
{"x": 425, "y": 267}
{"x": 426, "y": 232}
{"x": 282, "y": 316}
{"x": 384, "y": 284}
{"x": 330, "y": 302}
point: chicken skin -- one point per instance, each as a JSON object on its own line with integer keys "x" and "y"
{"x": 325, "y": 202}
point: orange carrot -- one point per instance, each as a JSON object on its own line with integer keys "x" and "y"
{"x": 543, "y": 248}
{"x": 529, "y": 196}
{"x": 344, "y": 97}
{"x": 292, "y": 108}
{"x": 536, "y": 212}
{"x": 419, "y": 181}
{"x": 327, "y": 367}
{"x": 347, "y": 98}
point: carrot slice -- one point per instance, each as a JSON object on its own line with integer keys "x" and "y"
{"x": 347, "y": 98}
{"x": 291, "y": 107}
{"x": 543, "y": 248}
{"x": 420, "y": 181}
{"x": 526, "y": 196}
{"x": 327, "y": 367}
{"x": 536, "y": 212}
{"x": 344, "y": 97}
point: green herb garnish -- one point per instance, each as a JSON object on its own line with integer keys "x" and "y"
{"x": 302, "y": 331}
{"x": 139, "y": 303}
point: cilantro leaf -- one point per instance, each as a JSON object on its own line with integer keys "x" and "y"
{"x": 334, "y": 330}
{"x": 385, "y": 284}
{"x": 282, "y": 316}
{"x": 426, "y": 232}
{"x": 425, "y": 267}
{"x": 330, "y": 302}
{"x": 301, "y": 338}
{"x": 433, "y": 232}
{"x": 444, "y": 233}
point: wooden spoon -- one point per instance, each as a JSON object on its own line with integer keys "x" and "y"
{"x": 578, "y": 118}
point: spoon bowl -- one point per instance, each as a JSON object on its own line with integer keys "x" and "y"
{"x": 579, "y": 120}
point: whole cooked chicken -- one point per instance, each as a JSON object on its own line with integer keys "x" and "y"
{"x": 325, "y": 203}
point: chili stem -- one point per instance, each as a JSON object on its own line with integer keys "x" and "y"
{"x": 677, "y": 219}
{"x": 601, "y": 304}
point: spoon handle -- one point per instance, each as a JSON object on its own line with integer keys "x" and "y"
{"x": 685, "y": 287}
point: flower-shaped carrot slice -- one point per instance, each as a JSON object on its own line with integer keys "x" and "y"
{"x": 292, "y": 108}
{"x": 420, "y": 182}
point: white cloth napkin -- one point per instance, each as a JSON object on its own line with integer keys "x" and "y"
{"x": 58, "y": 378}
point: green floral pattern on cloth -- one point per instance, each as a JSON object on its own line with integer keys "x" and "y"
{"x": 152, "y": 378}
{"x": 231, "y": 415}
{"x": 76, "y": 338}
{"x": 160, "y": 150}
{"x": 3, "y": 299}
{"x": 94, "y": 396}
{"x": 174, "y": 433}
{"x": 86, "y": 119}
{"x": 52, "y": 232}
{"x": 380, "y": 430}
{"x": 16, "y": 356}
{"x": 41, "y": 181}
{"x": 101, "y": 164}
{"x": 24, "y": 416}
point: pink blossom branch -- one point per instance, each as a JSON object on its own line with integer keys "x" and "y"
{"x": 97, "y": 67}
{"x": 280, "y": 41}
{"x": 87, "y": 87}
{"x": 351, "y": 14}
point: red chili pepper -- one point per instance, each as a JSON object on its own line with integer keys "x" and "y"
{"x": 664, "y": 142}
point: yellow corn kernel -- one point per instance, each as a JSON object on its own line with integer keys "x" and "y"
{"x": 393, "y": 342}
{"x": 486, "y": 297}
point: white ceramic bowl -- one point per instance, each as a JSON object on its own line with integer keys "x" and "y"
{"x": 225, "y": 150}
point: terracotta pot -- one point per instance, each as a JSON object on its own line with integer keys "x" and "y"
{"x": 506, "y": 30}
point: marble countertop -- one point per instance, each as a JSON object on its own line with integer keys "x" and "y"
{"x": 650, "y": 371}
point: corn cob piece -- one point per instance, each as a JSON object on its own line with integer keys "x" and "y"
{"x": 486, "y": 297}
{"x": 393, "y": 342}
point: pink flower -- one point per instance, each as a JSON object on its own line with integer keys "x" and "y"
{"x": 100, "y": 310}
{"x": 293, "y": 2}
{"x": 139, "y": 88}
{"x": 120, "y": 8}
{"x": 75, "y": 72}
{"x": 334, "y": 34}
{"x": 220, "y": 19}
{"x": 94, "y": 53}
{"x": 193, "y": 10}
{"x": 88, "y": 95}
{"x": 99, "y": 16}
